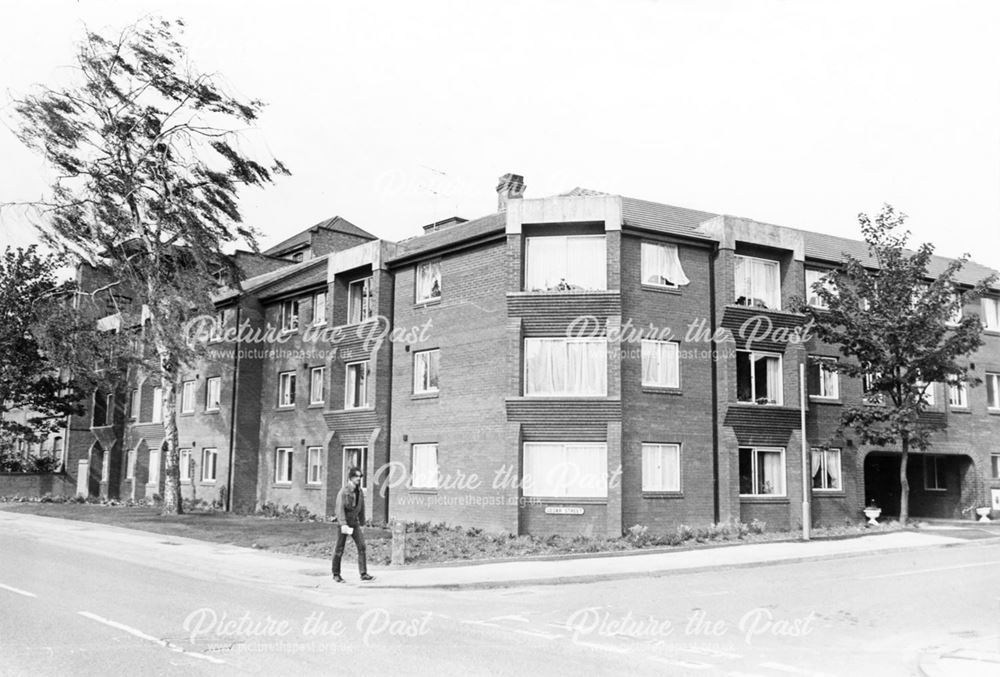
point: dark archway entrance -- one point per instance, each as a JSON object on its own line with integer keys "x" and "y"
{"x": 936, "y": 483}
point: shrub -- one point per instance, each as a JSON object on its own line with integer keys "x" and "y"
{"x": 757, "y": 526}
{"x": 638, "y": 535}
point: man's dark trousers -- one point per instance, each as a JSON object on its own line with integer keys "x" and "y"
{"x": 338, "y": 552}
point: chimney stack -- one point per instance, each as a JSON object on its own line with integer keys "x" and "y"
{"x": 511, "y": 186}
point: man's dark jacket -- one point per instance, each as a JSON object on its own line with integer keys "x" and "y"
{"x": 351, "y": 506}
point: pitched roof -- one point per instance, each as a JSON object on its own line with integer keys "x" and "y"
{"x": 490, "y": 224}
{"x": 335, "y": 223}
{"x": 259, "y": 282}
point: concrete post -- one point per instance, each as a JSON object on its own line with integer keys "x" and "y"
{"x": 398, "y": 543}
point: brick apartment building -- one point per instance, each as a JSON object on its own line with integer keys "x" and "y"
{"x": 556, "y": 368}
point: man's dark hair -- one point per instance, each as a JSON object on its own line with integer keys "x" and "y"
{"x": 354, "y": 472}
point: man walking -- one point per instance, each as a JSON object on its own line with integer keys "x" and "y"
{"x": 351, "y": 515}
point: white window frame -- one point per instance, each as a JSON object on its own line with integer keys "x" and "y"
{"x": 993, "y": 403}
{"x": 213, "y": 383}
{"x": 186, "y": 470}
{"x": 932, "y": 461}
{"x": 289, "y": 315}
{"x": 129, "y": 462}
{"x": 362, "y": 465}
{"x": 314, "y": 465}
{"x": 134, "y": 402}
{"x": 755, "y": 451}
{"x": 283, "y": 465}
{"x": 658, "y": 460}
{"x": 930, "y": 399}
{"x": 432, "y": 371}
{"x": 672, "y": 252}
{"x": 156, "y": 416}
{"x": 824, "y": 464}
{"x": 287, "y": 384}
{"x": 995, "y": 465}
{"x": 835, "y": 379}
{"x": 319, "y": 308}
{"x": 958, "y": 395}
{"x": 814, "y": 276}
{"x": 561, "y": 465}
{"x": 109, "y": 409}
{"x": 188, "y": 397}
{"x": 317, "y": 375}
{"x": 530, "y": 261}
{"x": 564, "y": 392}
{"x": 209, "y": 464}
{"x": 775, "y": 294}
{"x": 359, "y": 309}
{"x": 422, "y": 477}
{"x": 365, "y": 390}
{"x": 991, "y": 313}
{"x": 422, "y": 293}
{"x": 673, "y": 350}
{"x": 754, "y": 355}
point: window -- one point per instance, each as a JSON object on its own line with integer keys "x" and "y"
{"x": 109, "y": 409}
{"x": 934, "y": 470}
{"x": 213, "y": 393}
{"x": 661, "y": 364}
{"x": 569, "y": 367}
{"x": 317, "y": 385}
{"x": 958, "y": 395}
{"x": 133, "y": 404}
{"x": 187, "y": 469}
{"x": 428, "y": 281}
{"x": 564, "y": 263}
{"x": 661, "y": 467}
{"x": 826, "y": 469}
{"x": 757, "y": 283}
{"x": 661, "y": 267}
{"x": 566, "y": 469}
{"x": 286, "y": 389}
{"x": 314, "y": 465}
{"x": 220, "y": 323}
{"x": 319, "y": 308}
{"x": 283, "y": 465}
{"x": 758, "y": 377}
{"x": 824, "y": 382}
{"x": 928, "y": 389}
{"x": 359, "y": 301}
{"x": 992, "y": 390}
{"x": 356, "y": 457}
{"x": 995, "y": 466}
{"x": 209, "y": 460}
{"x": 425, "y": 371}
{"x": 871, "y": 395}
{"x": 424, "y": 466}
{"x": 991, "y": 313}
{"x": 187, "y": 397}
{"x": 129, "y": 464}
{"x": 762, "y": 471}
{"x": 357, "y": 385}
{"x": 289, "y": 315}
{"x": 157, "y": 405}
{"x": 814, "y": 277}
{"x": 57, "y": 447}
{"x": 956, "y": 313}
{"x": 298, "y": 256}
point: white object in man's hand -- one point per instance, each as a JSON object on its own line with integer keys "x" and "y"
{"x": 344, "y": 529}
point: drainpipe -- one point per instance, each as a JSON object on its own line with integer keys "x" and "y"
{"x": 232, "y": 409}
{"x": 714, "y": 366}
{"x": 806, "y": 515}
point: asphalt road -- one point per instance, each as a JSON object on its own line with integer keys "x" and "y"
{"x": 68, "y": 611}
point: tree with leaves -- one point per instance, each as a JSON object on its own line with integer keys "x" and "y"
{"x": 898, "y": 327}
{"x": 149, "y": 162}
{"x": 37, "y": 391}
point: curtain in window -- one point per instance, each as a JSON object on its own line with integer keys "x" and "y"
{"x": 773, "y": 379}
{"x": 743, "y": 282}
{"x": 545, "y": 263}
{"x": 829, "y": 381}
{"x": 586, "y": 262}
{"x": 660, "y": 463}
{"x": 539, "y": 477}
{"x": 545, "y": 362}
{"x": 428, "y": 281}
{"x": 425, "y": 466}
{"x": 661, "y": 265}
{"x": 991, "y": 313}
{"x": 764, "y": 280}
{"x": 558, "y": 366}
{"x": 833, "y": 469}
{"x": 587, "y": 367}
{"x": 817, "y": 468}
{"x": 565, "y": 263}
{"x": 659, "y": 364}
{"x": 586, "y": 471}
{"x": 770, "y": 475}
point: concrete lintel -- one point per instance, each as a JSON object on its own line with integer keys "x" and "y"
{"x": 372, "y": 253}
{"x": 731, "y": 229}
{"x": 606, "y": 209}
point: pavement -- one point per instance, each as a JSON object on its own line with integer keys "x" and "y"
{"x": 304, "y": 576}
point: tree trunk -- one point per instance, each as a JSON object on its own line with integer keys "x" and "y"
{"x": 904, "y": 484}
{"x": 172, "y": 504}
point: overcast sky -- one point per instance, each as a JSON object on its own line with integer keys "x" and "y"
{"x": 396, "y": 114}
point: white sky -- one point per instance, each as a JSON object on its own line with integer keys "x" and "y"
{"x": 396, "y": 114}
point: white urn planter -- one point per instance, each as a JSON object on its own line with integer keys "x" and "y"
{"x": 984, "y": 514}
{"x": 873, "y": 514}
